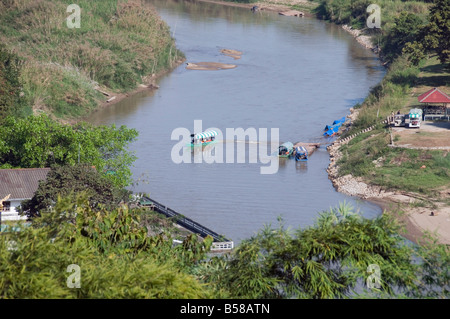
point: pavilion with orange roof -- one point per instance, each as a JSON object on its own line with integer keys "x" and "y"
{"x": 437, "y": 104}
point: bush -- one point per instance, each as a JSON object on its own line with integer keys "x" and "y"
{"x": 38, "y": 141}
{"x": 116, "y": 255}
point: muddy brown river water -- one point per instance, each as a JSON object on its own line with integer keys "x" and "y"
{"x": 295, "y": 75}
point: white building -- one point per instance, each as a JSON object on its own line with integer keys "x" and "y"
{"x": 20, "y": 184}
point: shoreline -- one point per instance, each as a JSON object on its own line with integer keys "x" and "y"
{"x": 416, "y": 220}
{"x": 348, "y": 184}
{"x": 148, "y": 84}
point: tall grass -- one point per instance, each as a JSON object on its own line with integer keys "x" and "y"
{"x": 414, "y": 170}
{"x": 118, "y": 44}
{"x": 402, "y": 169}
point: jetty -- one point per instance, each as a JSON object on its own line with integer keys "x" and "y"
{"x": 220, "y": 242}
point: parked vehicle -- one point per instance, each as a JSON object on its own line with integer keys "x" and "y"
{"x": 399, "y": 120}
{"x": 415, "y": 117}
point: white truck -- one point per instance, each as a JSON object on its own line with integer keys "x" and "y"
{"x": 415, "y": 117}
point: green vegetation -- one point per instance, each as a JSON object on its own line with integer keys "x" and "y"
{"x": 38, "y": 141}
{"x": 118, "y": 45}
{"x": 11, "y": 101}
{"x": 327, "y": 260}
{"x": 116, "y": 257}
{"x": 368, "y": 155}
{"x": 120, "y": 258}
{"x": 353, "y": 12}
{"x": 69, "y": 180}
{"x": 435, "y": 36}
{"x": 126, "y": 252}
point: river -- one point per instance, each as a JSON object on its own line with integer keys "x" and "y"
{"x": 295, "y": 74}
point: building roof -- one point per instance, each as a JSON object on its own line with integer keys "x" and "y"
{"x": 21, "y": 183}
{"x": 434, "y": 96}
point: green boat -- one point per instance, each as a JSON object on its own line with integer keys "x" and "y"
{"x": 204, "y": 138}
{"x": 286, "y": 149}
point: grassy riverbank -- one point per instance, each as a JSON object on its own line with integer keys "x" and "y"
{"x": 118, "y": 46}
{"x": 393, "y": 168}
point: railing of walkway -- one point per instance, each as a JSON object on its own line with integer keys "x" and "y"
{"x": 220, "y": 242}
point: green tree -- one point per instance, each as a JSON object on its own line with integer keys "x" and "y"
{"x": 34, "y": 265}
{"x": 435, "y": 36}
{"x": 38, "y": 141}
{"x": 69, "y": 180}
{"x": 116, "y": 256}
{"x": 405, "y": 29}
{"x": 328, "y": 260}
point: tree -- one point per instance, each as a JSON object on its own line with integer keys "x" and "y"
{"x": 69, "y": 180}
{"x": 435, "y": 36}
{"x": 115, "y": 255}
{"x": 437, "y": 32}
{"x": 38, "y": 141}
{"x": 406, "y": 29}
{"x": 329, "y": 260}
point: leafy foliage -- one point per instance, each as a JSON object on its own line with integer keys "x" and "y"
{"x": 405, "y": 29}
{"x": 116, "y": 257}
{"x": 328, "y": 260}
{"x": 38, "y": 141}
{"x": 435, "y": 36}
{"x": 344, "y": 11}
{"x": 68, "y": 180}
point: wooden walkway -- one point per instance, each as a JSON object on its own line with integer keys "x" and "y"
{"x": 220, "y": 242}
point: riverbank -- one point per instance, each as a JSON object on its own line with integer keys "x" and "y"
{"x": 115, "y": 49}
{"x": 415, "y": 211}
{"x": 149, "y": 84}
{"x": 418, "y": 213}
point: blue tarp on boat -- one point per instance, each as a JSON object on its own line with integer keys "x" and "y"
{"x": 332, "y": 130}
{"x": 340, "y": 121}
{"x": 329, "y": 127}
